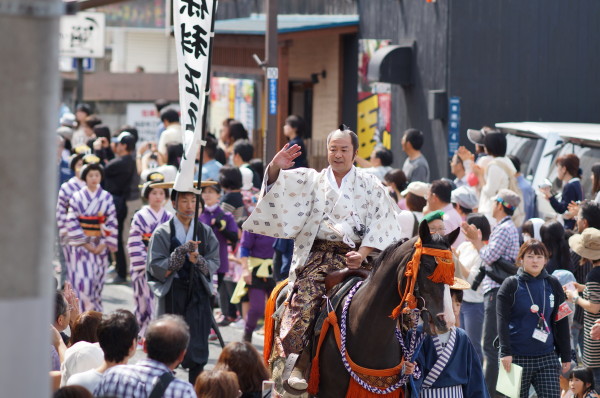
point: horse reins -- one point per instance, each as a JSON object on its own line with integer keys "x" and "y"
{"x": 443, "y": 273}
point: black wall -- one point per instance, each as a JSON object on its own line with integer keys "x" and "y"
{"x": 515, "y": 60}
{"x": 426, "y": 24}
{"x": 508, "y": 60}
{"x": 243, "y": 8}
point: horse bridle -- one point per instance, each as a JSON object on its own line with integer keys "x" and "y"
{"x": 443, "y": 273}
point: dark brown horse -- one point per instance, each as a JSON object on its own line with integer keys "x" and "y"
{"x": 371, "y": 341}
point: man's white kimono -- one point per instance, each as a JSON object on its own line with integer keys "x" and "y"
{"x": 310, "y": 208}
{"x": 305, "y": 205}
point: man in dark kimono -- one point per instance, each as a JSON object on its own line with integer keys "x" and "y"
{"x": 179, "y": 270}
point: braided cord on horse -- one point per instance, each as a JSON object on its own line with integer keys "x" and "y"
{"x": 444, "y": 273}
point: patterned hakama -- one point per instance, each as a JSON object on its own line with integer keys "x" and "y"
{"x": 65, "y": 193}
{"x": 91, "y": 219}
{"x": 295, "y": 328}
{"x": 143, "y": 225}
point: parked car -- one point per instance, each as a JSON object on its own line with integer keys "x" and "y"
{"x": 538, "y": 144}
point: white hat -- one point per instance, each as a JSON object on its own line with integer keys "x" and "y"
{"x": 247, "y": 177}
{"x": 68, "y": 120}
{"x": 464, "y": 197}
{"x": 416, "y": 188}
{"x": 80, "y": 357}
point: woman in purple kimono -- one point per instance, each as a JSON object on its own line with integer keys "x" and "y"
{"x": 65, "y": 193}
{"x": 92, "y": 232}
{"x": 143, "y": 225}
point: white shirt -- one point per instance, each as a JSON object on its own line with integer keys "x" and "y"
{"x": 172, "y": 135}
{"x": 89, "y": 379}
{"x": 468, "y": 256}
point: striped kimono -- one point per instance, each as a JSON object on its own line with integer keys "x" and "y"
{"x": 65, "y": 193}
{"x": 91, "y": 219}
{"x": 143, "y": 225}
{"x": 451, "y": 370}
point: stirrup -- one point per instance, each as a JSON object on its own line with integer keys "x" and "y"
{"x": 290, "y": 363}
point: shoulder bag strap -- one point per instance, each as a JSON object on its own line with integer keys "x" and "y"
{"x": 161, "y": 385}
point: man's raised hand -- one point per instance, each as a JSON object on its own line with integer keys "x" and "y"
{"x": 284, "y": 159}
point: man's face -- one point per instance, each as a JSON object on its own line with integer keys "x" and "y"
{"x": 185, "y": 204}
{"x": 456, "y": 167}
{"x": 340, "y": 153}
{"x": 403, "y": 143}
{"x": 432, "y": 201}
{"x": 498, "y": 210}
{"x": 120, "y": 149}
{"x": 237, "y": 160}
{"x": 437, "y": 227}
{"x": 374, "y": 159}
{"x": 582, "y": 223}
{"x": 63, "y": 319}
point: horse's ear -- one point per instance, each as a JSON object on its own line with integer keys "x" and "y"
{"x": 451, "y": 237}
{"x": 424, "y": 232}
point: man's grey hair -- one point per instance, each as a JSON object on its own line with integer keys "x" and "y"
{"x": 345, "y": 130}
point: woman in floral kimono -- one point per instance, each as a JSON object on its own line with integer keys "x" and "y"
{"x": 143, "y": 225}
{"x": 92, "y": 232}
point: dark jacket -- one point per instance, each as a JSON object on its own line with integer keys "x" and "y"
{"x": 516, "y": 322}
{"x": 572, "y": 192}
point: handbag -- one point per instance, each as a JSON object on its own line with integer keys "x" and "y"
{"x": 501, "y": 269}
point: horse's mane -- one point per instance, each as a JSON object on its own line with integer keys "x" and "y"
{"x": 391, "y": 253}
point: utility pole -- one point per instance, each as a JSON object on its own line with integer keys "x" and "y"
{"x": 29, "y": 36}
{"x": 271, "y": 81}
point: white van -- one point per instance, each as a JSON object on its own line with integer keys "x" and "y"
{"x": 538, "y": 144}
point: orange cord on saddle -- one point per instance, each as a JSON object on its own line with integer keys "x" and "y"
{"x": 443, "y": 273}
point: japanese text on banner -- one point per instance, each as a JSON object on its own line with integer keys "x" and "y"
{"x": 192, "y": 28}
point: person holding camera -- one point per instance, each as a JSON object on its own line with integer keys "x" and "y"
{"x": 502, "y": 247}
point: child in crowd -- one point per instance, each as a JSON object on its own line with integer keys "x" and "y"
{"x": 581, "y": 384}
{"x": 226, "y": 230}
{"x": 449, "y": 363}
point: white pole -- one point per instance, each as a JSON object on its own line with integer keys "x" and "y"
{"x": 29, "y": 99}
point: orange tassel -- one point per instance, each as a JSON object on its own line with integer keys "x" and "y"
{"x": 356, "y": 391}
{"x": 396, "y": 312}
{"x": 314, "y": 378}
{"x": 269, "y": 322}
{"x": 444, "y": 272}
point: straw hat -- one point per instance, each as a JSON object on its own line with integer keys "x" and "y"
{"x": 169, "y": 185}
{"x": 460, "y": 284}
{"x": 586, "y": 244}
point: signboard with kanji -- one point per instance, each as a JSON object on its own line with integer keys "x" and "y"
{"x": 82, "y": 35}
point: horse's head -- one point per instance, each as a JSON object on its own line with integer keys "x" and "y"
{"x": 433, "y": 295}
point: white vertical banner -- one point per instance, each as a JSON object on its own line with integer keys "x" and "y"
{"x": 193, "y": 28}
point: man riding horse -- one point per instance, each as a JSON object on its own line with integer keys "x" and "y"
{"x": 336, "y": 217}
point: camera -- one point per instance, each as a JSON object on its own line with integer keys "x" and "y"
{"x": 479, "y": 278}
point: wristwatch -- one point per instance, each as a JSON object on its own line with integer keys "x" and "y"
{"x": 575, "y": 299}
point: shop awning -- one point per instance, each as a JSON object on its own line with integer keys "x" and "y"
{"x": 256, "y": 23}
